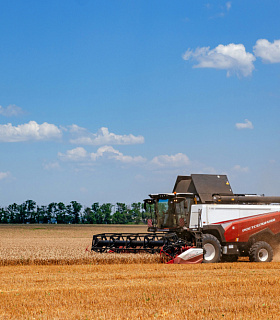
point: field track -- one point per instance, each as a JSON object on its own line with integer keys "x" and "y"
{"x": 60, "y": 285}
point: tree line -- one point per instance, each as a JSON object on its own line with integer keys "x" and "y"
{"x": 73, "y": 213}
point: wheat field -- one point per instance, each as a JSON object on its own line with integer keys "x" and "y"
{"x": 61, "y": 245}
{"x": 136, "y": 291}
{"x": 45, "y": 273}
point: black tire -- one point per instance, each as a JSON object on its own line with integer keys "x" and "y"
{"x": 261, "y": 251}
{"x": 212, "y": 249}
{"x": 229, "y": 258}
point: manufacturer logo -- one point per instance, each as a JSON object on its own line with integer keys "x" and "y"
{"x": 258, "y": 225}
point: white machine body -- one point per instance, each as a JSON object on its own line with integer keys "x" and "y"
{"x": 226, "y": 213}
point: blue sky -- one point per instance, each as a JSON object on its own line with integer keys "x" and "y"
{"x": 106, "y": 101}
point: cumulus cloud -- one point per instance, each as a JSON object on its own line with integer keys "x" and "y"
{"x": 4, "y": 175}
{"x": 102, "y": 137}
{"x": 108, "y": 153}
{"x": 267, "y": 51}
{"x": 51, "y": 165}
{"x": 231, "y": 57}
{"x": 177, "y": 160}
{"x": 31, "y": 131}
{"x": 10, "y": 111}
{"x": 246, "y": 125}
{"x": 111, "y": 153}
{"x": 104, "y": 152}
{"x": 238, "y": 168}
{"x": 77, "y": 154}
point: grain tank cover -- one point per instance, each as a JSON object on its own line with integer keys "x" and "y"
{"x": 184, "y": 184}
{"x": 203, "y": 185}
{"x": 207, "y": 184}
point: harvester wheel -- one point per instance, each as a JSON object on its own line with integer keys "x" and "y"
{"x": 261, "y": 251}
{"x": 212, "y": 248}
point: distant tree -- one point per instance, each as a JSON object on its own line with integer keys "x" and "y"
{"x": 31, "y": 213}
{"x": 50, "y": 213}
{"x": 98, "y": 213}
{"x": 121, "y": 215}
{"x": 88, "y": 216}
{"x": 41, "y": 213}
{"x": 117, "y": 218}
{"x": 74, "y": 210}
{"x": 4, "y": 216}
{"x": 61, "y": 213}
{"x": 136, "y": 212}
{"x": 23, "y": 213}
{"x": 106, "y": 211}
{"x": 13, "y": 213}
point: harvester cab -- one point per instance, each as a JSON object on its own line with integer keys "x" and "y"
{"x": 173, "y": 211}
{"x": 169, "y": 211}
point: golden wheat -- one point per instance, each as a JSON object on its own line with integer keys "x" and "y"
{"x": 152, "y": 291}
{"x": 61, "y": 245}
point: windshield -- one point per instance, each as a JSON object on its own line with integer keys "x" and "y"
{"x": 173, "y": 213}
{"x": 166, "y": 214}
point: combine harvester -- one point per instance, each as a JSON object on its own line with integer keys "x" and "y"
{"x": 202, "y": 220}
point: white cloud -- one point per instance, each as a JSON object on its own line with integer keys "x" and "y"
{"x": 238, "y": 168}
{"x": 51, "y": 165}
{"x": 231, "y": 57}
{"x": 105, "y": 152}
{"x": 111, "y": 153}
{"x": 177, "y": 160}
{"x": 77, "y": 154}
{"x": 4, "y": 175}
{"x": 31, "y": 131}
{"x": 269, "y": 52}
{"x": 108, "y": 153}
{"x": 102, "y": 137}
{"x": 246, "y": 125}
{"x": 75, "y": 129}
{"x": 11, "y": 110}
